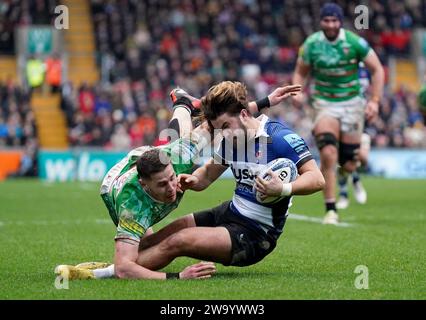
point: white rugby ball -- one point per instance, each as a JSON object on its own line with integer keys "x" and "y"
{"x": 287, "y": 172}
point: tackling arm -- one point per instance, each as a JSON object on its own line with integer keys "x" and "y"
{"x": 126, "y": 267}
{"x": 126, "y": 254}
{"x": 202, "y": 177}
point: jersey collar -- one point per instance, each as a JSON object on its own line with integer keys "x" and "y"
{"x": 261, "y": 131}
{"x": 341, "y": 36}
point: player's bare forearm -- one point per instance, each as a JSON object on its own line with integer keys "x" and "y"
{"x": 300, "y": 73}
{"x": 126, "y": 254}
{"x": 375, "y": 67}
{"x": 207, "y": 174}
{"x": 203, "y": 178}
{"x": 131, "y": 270}
{"x": 310, "y": 180}
{"x": 298, "y": 78}
{"x": 377, "y": 83}
{"x": 308, "y": 183}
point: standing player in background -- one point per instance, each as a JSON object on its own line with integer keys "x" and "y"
{"x": 331, "y": 56}
{"x": 360, "y": 193}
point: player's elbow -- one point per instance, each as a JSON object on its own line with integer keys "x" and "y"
{"x": 317, "y": 181}
{"x": 320, "y": 181}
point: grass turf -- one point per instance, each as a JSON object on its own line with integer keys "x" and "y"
{"x": 42, "y": 225}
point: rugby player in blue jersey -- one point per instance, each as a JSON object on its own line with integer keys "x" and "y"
{"x": 141, "y": 190}
{"x": 241, "y": 231}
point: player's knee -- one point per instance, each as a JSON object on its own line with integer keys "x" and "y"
{"x": 326, "y": 139}
{"x": 350, "y": 166}
{"x": 329, "y": 156}
{"x": 327, "y": 144}
{"x": 348, "y": 155}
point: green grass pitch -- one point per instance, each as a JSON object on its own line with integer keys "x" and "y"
{"x": 42, "y": 225}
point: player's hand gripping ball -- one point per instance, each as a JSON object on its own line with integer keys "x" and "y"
{"x": 286, "y": 171}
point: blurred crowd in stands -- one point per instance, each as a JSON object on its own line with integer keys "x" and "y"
{"x": 200, "y": 42}
{"x": 146, "y": 48}
{"x": 16, "y": 13}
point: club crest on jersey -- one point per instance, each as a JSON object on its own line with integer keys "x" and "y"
{"x": 346, "y": 49}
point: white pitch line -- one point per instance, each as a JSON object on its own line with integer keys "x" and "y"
{"x": 302, "y": 217}
{"x": 292, "y": 216}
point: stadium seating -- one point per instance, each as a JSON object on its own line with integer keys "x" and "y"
{"x": 107, "y": 102}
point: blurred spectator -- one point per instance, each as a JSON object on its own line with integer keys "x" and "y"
{"x": 54, "y": 72}
{"x": 17, "y": 125}
{"x": 16, "y": 119}
{"x": 35, "y": 72}
{"x": 28, "y": 165}
{"x": 86, "y": 99}
{"x": 120, "y": 139}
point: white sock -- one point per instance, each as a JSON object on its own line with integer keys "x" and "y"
{"x": 103, "y": 273}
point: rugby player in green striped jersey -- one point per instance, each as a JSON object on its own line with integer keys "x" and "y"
{"x": 331, "y": 58}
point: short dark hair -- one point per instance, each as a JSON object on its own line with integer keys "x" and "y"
{"x": 151, "y": 161}
{"x": 225, "y": 97}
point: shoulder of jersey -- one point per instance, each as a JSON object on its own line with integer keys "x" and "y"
{"x": 355, "y": 38}
{"x": 273, "y": 127}
{"x": 313, "y": 37}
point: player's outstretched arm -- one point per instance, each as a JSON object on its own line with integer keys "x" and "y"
{"x": 276, "y": 97}
{"x": 202, "y": 177}
{"x": 126, "y": 254}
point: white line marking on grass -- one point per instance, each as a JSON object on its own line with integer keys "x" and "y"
{"x": 302, "y": 217}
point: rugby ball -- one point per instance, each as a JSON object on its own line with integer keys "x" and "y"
{"x": 287, "y": 172}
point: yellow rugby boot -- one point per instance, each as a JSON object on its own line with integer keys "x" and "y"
{"x": 73, "y": 273}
